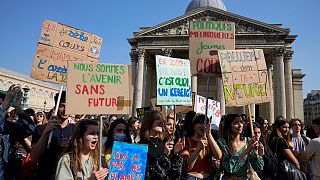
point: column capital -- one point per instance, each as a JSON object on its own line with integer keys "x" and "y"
{"x": 141, "y": 52}
{"x": 279, "y": 51}
{"x": 269, "y": 65}
{"x": 288, "y": 55}
{"x": 167, "y": 51}
{"x": 133, "y": 56}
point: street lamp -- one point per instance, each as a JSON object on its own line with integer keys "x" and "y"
{"x": 25, "y": 97}
{"x": 44, "y": 106}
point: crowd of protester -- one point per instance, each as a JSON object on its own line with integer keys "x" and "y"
{"x": 42, "y": 145}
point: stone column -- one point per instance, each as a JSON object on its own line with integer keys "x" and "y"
{"x": 194, "y": 84}
{"x": 147, "y": 82}
{"x": 270, "y": 105}
{"x": 280, "y": 89}
{"x": 221, "y": 96}
{"x": 139, "y": 81}
{"x": 288, "y": 84}
{"x": 133, "y": 80}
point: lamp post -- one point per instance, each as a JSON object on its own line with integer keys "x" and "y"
{"x": 25, "y": 97}
{"x": 44, "y": 106}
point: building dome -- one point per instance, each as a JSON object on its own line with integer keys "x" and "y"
{"x": 194, "y": 4}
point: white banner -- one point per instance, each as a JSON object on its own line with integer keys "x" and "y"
{"x": 213, "y": 110}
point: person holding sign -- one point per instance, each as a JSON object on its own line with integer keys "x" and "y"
{"x": 118, "y": 131}
{"x": 200, "y": 149}
{"x": 80, "y": 160}
{"x": 50, "y": 140}
{"x": 238, "y": 151}
{"x": 162, "y": 162}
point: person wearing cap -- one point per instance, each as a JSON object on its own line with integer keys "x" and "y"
{"x": 50, "y": 140}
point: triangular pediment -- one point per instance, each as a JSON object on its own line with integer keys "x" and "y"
{"x": 180, "y": 25}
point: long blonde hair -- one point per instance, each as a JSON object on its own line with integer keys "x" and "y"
{"x": 75, "y": 147}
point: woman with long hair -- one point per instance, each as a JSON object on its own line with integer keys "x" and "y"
{"x": 280, "y": 142}
{"x": 40, "y": 118}
{"x": 80, "y": 160}
{"x": 237, "y": 151}
{"x": 200, "y": 149}
{"x": 118, "y": 131}
{"x": 134, "y": 127}
{"x": 164, "y": 161}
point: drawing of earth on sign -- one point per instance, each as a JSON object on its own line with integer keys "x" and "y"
{"x": 94, "y": 50}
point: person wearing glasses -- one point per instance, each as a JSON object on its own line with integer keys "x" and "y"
{"x": 40, "y": 118}
{"x": 300, "y": 142}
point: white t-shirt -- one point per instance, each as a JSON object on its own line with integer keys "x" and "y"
{"x": 313, "y": 153}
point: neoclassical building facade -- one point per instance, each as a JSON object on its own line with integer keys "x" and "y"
{"x": 171, "y": 38}
{"x": 40, "y": 95}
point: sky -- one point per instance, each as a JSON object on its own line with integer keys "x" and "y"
{"x": 115, "y": 21}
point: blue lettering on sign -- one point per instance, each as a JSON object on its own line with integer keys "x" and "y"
{"x": 180, "y": 92}
{"x": 163, "y": 91}
{"x": 78, "y": 36}
{"x": 58, "y": 69}
{"x": 40, "y": 63}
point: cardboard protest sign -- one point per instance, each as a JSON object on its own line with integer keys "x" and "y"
{"x": 245, "y": 77}
{"x": 213, "y": 110}
{"x": 128, "y": 161}
{"x": 205, "y": 38}
{"x": 58, "y": 44}
{"x": 142, "y": 111}
{"x": 50, "y": 63}
{"x": 173, "y": 81}
{"x": 97, "y": 88}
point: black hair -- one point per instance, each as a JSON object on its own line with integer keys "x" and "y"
{"x": 227, "y": 134}
{"x": 62, "y": 99}
{"x": 113, "y": 125}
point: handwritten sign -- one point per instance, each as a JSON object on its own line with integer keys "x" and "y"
{"x": 97, "y": 88}
{"x": 245, "y": 77}
{"x": 205, "y": 38}
{"x": 58, "y": 44}
{"x": 142, "y": 111}
{"x": 213, "y": 110}
{"x": 128, "y": 161}
{"x": 173, "y": 81}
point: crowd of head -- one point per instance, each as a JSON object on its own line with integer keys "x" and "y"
{"x": 45, "y": 145}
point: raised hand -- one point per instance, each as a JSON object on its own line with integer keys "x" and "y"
{"x": 12, "y": 91}
{"x": 202, "y": 143}
{"x": 52, "y": 124}
{"x": 179, "y": 146}
{"x": 168, "y": 147}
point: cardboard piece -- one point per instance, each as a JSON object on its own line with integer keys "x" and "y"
{"x": 142, "y": 111}
{"x": 48, "y": 32}
{"x": 205, "y": 38}
{"x": 58, "y": 44}
{"x": 128, "y": 161}
{"x": 71, "y": 39}
{"x": 173, "y": 81}
{"x": 97, "y": 88}
{"x": 245, "y": 77}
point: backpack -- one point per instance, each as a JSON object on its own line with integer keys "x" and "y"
{"x": 270, "y": 162}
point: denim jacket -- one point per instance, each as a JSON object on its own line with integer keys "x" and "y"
{"x": 4, "y": 143}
